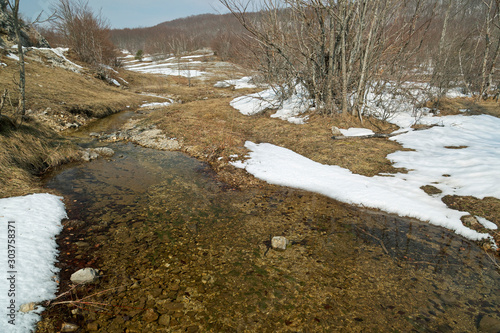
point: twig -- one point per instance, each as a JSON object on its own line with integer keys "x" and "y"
{"x": 380, "y": 241}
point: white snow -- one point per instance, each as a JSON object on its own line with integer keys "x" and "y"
{"x": 281, "y": 166}
{"x": 13, "y": 56}
{"x": 289, "y": 110}
{"x": 3, "y": 64}
{"x": 472, "y": 168}
{"x": 170, "y": 66}
{"x": 356, "y": 132}
{"x": 487, "y": 224}
{"x": 116, "y": 83}
{"x": 37, "y": 220}
{"x": 198, "y": 56}
{"x": 59, "y": 51}
{"x": 242, "y": 83}
{"x": 156, "y": 105}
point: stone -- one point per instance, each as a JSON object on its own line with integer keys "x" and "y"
{"x": 68, "y": 327}
{"x": 93, "y": 154}
{"x": 93, "y": 326}
{"x": 279, "y": 242}
{"x": 489, "y": 325}
{"x": 85, "y": 275}
{"x": 105, "y": 151}
{"x": 150, "y": 315}
{"x": 207, "y": 278}
{"x": 82, "y": 244}
{"x": 27, "y": 307}
{"x": 336, "y": 131}
{"x": 164, "y": 320}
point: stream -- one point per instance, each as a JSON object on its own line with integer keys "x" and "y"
{"x": 180, "y": 251}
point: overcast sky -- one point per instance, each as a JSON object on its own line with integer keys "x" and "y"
{"x": 133, "y": 13}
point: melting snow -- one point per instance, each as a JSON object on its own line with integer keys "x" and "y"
{"x": 36, "y": 220}
{"x": 460, "y": 157}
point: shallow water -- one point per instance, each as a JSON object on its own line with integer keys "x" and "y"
{"x": 180, "y": 251}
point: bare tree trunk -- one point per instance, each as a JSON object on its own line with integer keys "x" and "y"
{"x": 22, "y": 72}
{"x": 343, "y": 50}
{"x": 487, "y": 37}
{"x": 364, "y": 66}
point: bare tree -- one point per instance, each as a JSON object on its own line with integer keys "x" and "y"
{"x": 14, "y": 7}
{"x": 337, "y": 49}
{"x": 85, "y": 32}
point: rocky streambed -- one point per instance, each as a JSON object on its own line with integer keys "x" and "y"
{"x": 179, "y": 251}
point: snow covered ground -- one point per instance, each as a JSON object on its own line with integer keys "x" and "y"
{"x": 185, "y": 66}
{"x": 244, "y": 82}
{"x": 29, "y": 225}
{"x": 459, "y": 156}
{"x": 289, "y": 110}
{"x": 156, "y": 105}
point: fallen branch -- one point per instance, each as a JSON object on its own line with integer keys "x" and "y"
{"x": 376, "y": 135}
{"x": 375, "y": 237}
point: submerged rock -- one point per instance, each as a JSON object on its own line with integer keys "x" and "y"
{"x": 68, "y": 327}
{"x": 85, "y": 275}
{"x": 279, "y": 243}
{"x": 489, "y": 325}
{"x": 150, "y": 315}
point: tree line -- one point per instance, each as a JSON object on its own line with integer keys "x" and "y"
{"x": 342, "y": 50}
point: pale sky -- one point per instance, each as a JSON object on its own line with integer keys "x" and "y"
{"x": 133, "y": 13}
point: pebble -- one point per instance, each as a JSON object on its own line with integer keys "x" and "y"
{"x": 489, "y": 325}
{"x": 68, "y": 327}
{"x": 150, "y": 315}
{"x": 164, "y": 320}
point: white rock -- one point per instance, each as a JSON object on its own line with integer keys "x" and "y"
{"x": 27, "y": 307}
{"x": 336, "y": 131}
{"x": 279, "y": 242}
{"x": 85, "y": 275}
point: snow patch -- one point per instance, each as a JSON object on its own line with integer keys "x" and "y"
{"x": 356, "y": 132}
{"x": 289, "y": 110}
{"x": 281, "y": 166}
{"x": 156, "y": 105}
{"x": 13, "y": 56}
{"x": 242, "y": 83}
{"x": 487, "y": 224}
{"x": 35, "y": 220}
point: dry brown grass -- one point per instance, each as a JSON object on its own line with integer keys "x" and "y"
{"x": 449, "y": 106}
{"x": 64, "y": 91}
{"x": 210, "y": 128}
{"x": 26, "y": 152}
